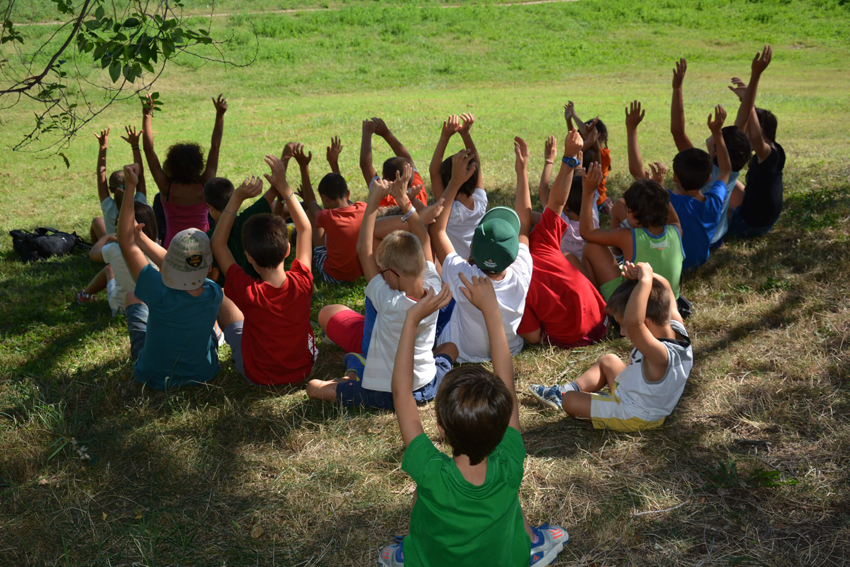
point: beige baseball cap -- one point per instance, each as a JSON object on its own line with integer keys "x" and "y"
{"x": 187, "y": 260}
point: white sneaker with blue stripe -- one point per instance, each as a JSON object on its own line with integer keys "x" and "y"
{"x": 550, "y": 396}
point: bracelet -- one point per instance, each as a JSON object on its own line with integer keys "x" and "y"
{"x": 226, "y": 211}
{"x": 550, "y": 162}
{"x": 408, "y": 214}
{"x": 291, "y": 194}
{"x": 134, "y": 147}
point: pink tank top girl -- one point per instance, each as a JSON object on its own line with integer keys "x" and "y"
{"x": 181, "y": 217}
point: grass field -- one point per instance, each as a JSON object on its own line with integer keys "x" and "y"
{"x": 751, "y": 468}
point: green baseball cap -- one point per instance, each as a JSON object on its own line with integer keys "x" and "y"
{"x": 495, "y": 243}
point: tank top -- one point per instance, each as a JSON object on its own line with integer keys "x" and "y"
{"x": 181, "y": 217}
{"x": 664, "y": 253}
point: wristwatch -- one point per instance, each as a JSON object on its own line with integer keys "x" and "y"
{"x": 571, "y": 161}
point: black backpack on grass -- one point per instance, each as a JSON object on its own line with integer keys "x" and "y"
{"x": 44, "y": 243}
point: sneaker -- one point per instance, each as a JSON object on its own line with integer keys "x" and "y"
{"x": 606, "y": 207}
{"x": 392, "y": 555}
{"x": 551, "y": 542}
{"x": 83, "y": 297}
{"x": 354, "y": 362}
{"x": 550, "y": 396}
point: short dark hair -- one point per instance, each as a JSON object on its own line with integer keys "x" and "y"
{"x": 589, "y": 156}
{"x": 473, "y": 408}
{"x": 217, "y": 192}
{"x": 738, "y": 145}
{"x": 395, "y": 165}
{"x": 184, "y": 163}
{"x": 657, "y": 306}
{"x": 266, "y": 239}
{"x": 145, "y": 215}
{"x": 333, "y": 186}
{"x": 469, "y": 186}
{"x": 648, "y": 201}
{"x": 692, "y": 168}
{"x": 768, "y": 123}
{"x": 574, "y": 198}
{"x": 116, "y": 180}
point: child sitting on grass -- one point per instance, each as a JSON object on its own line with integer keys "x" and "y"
{"x": 644, "y": 392}
{"x": 499, "y": 251}
{"x": 656, "y": 237}
{"x": 398, "y": 275}
{"x": 470, "y": 202}
{"x": 393, "y": 166}
{"x": 267, "y": 322}
{"x": 467, "y": 509}
{"x": 171, "y": 314}
{"x": 335, "y": 224}
{"x": 595, "y": 135}
{"x": 562, "y": 307}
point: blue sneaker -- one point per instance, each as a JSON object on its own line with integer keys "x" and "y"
{"x": 392, "y": 555}
{"x": 550, "y": 396}
{"x": 354, "y": 363}
{"x": 551, "y": 542}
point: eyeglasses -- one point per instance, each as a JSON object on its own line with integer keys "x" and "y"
{"x": 389, "y": 270}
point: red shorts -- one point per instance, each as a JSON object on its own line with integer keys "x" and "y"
{"x": 593, "y": 336}
{"x": 345, "y": 329}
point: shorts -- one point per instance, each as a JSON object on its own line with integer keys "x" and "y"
{"x": 353, "y": 394}
{"x": 351, "y": 331}
{"x": 443, "y": 332}
{"x": 137, "y": 325}
{"x": 233, "y": 337}
{"x": 738, "y": 227}
{"x": 116, "y": 306}
{"x": 320, "y": 254}
{"x": 608, "y": 412}
{"x": 608, "y": 288}
{"x": 593, "y": 336}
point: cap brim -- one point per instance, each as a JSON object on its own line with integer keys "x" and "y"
{"x": 505, "y": 214}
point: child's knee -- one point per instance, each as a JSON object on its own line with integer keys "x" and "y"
{"x": 326, "y": 313}
{"x": 576, "y": 404}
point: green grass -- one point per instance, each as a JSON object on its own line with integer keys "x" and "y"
{"x": 226, "y": 474}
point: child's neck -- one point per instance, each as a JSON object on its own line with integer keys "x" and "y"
{"x": 474, "y": 474}
{"x": 195, "y": 292}
{"x": 571, "y": 215}
{"x": 412, "y": 287}
{"x": 337, "y": 204}
{"x": 661, "y": 331}
{"x": 275, "y": 277}
{"x": 214, "y": 214}
{"x": 695, "y": 193}
{"x": 465, "y": 200}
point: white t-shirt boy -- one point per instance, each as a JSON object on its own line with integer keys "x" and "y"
{"x": 123, "y": 282}
{"x": 109, "y": 208}
{"x": 462, "y": 222}
{"x": 391, "y": 306}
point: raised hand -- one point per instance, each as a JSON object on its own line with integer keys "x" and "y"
{"x": 430, "y": 213}
{"x": 451, "y": 126}
{"x": 399, "y": 187}
{"x": 762, "y": 60}
{"x": 220, "y": 105}
{"x": 592, "y": 179}
{"x": 288, "y": 151}
{"x": 659, "y": 171}
{"x": 103, "y": 138}
{"x": 479, "y": 292}
{"x": 131, "y": 175}
{"x": 589, "y": 128}
{"x": 299, "y": 155}
{"x": 333, "y": 151}
{"x": 642, "y": 271}
{"x": 468, "y": 121}
{"x": 550, "y": 150}
{"x": 380, "y": 189}
{"x": 521, "y": 151}
{"x": 719, "y": 117}
{"x": 430, "y": 303}
{"x": 738, "y": 87}
{"x": 573, "y": 143}
{"x": 369, "y": 126}
{"x": 132, "y": 136}
{"x": 148, "y": 105}
{"x": 462, "y": 166}
{"x": 569, "y": 111}
{"x": 277, "y": 179}
{"x": 250, "y": 188}
{"x": 679, "y": 73}
{"x": 413, "y": 191}
{"x": 381, "y": 128}
{"x": 634, "y": 115}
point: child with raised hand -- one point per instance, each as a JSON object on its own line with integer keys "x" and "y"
{"x": 470, "y": 202}
{"x": 699, "y": 211}
{"x": 467, "y": 509}
{"x": 335, "y": 223}
{"x": 182, "y": 176}
{"x": 656, "y": 236}
{"x": 736, "y": 141}
{"x": 644, "y": 392}
{"x": 562, "y": 307}
{"x": 754, "y": 209}
{"x": 172, "y": 313}
{"x": 267, "y": 322}
{"x": 393, "y": 166}
{"x": 398, "y": 275}
{"x": 595, "y": 135}
{"x": 499, "y": 251}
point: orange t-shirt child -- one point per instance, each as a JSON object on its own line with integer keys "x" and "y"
{"x": 342, "y": 228}
{"x": 605, "y": 162}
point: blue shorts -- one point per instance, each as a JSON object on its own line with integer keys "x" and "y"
{"x": 353, "y": 394}
{"x": 137, "y": 324}
{"x": 738, "y": 227}
{"x": 320, "y": 254}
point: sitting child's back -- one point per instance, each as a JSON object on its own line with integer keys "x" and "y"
{"x": 340, "y": 220}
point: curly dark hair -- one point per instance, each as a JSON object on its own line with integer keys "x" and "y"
{"x": 648, "y": 201}
{"x": 184, "y": 163}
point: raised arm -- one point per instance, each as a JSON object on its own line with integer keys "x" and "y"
{"x": 397, "y": 147}
{"x": 102, "y": 185}
{"x": 655, "y": 357}
{"x": 126, "y": 224}
{"x": 564, "y": 181}
{"x": 220, "y": 104}
{"x": 132, "y": 138}
{"x": 250, "y": 188}
{"x": 406, "y": 411}
{"x": 410, "y": 215}
{"x": 753, "y": 130}
{"x": 481, "y": 294}
{"x": 366, "y": 240}
{"x": 634, "y": 116}
{"x": 462, "y": 169}
{"x": 677, "y": 108}
{"x": 619, "y": 237}
{"x": 550, "y": 150}
{"x": 450, "y": 127}
{"x": 304, "y": 244}
{"x": 523, "y": 196}
{"x": 724, "y": 164}
{"x": 468, "y": 121}
{"x": 366, "y": 166}
{"x": 154, "y": 167}
{"x": 748, "y": 102}
{"x": 151, "y": 249}
{"x": 332, "y": 154}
